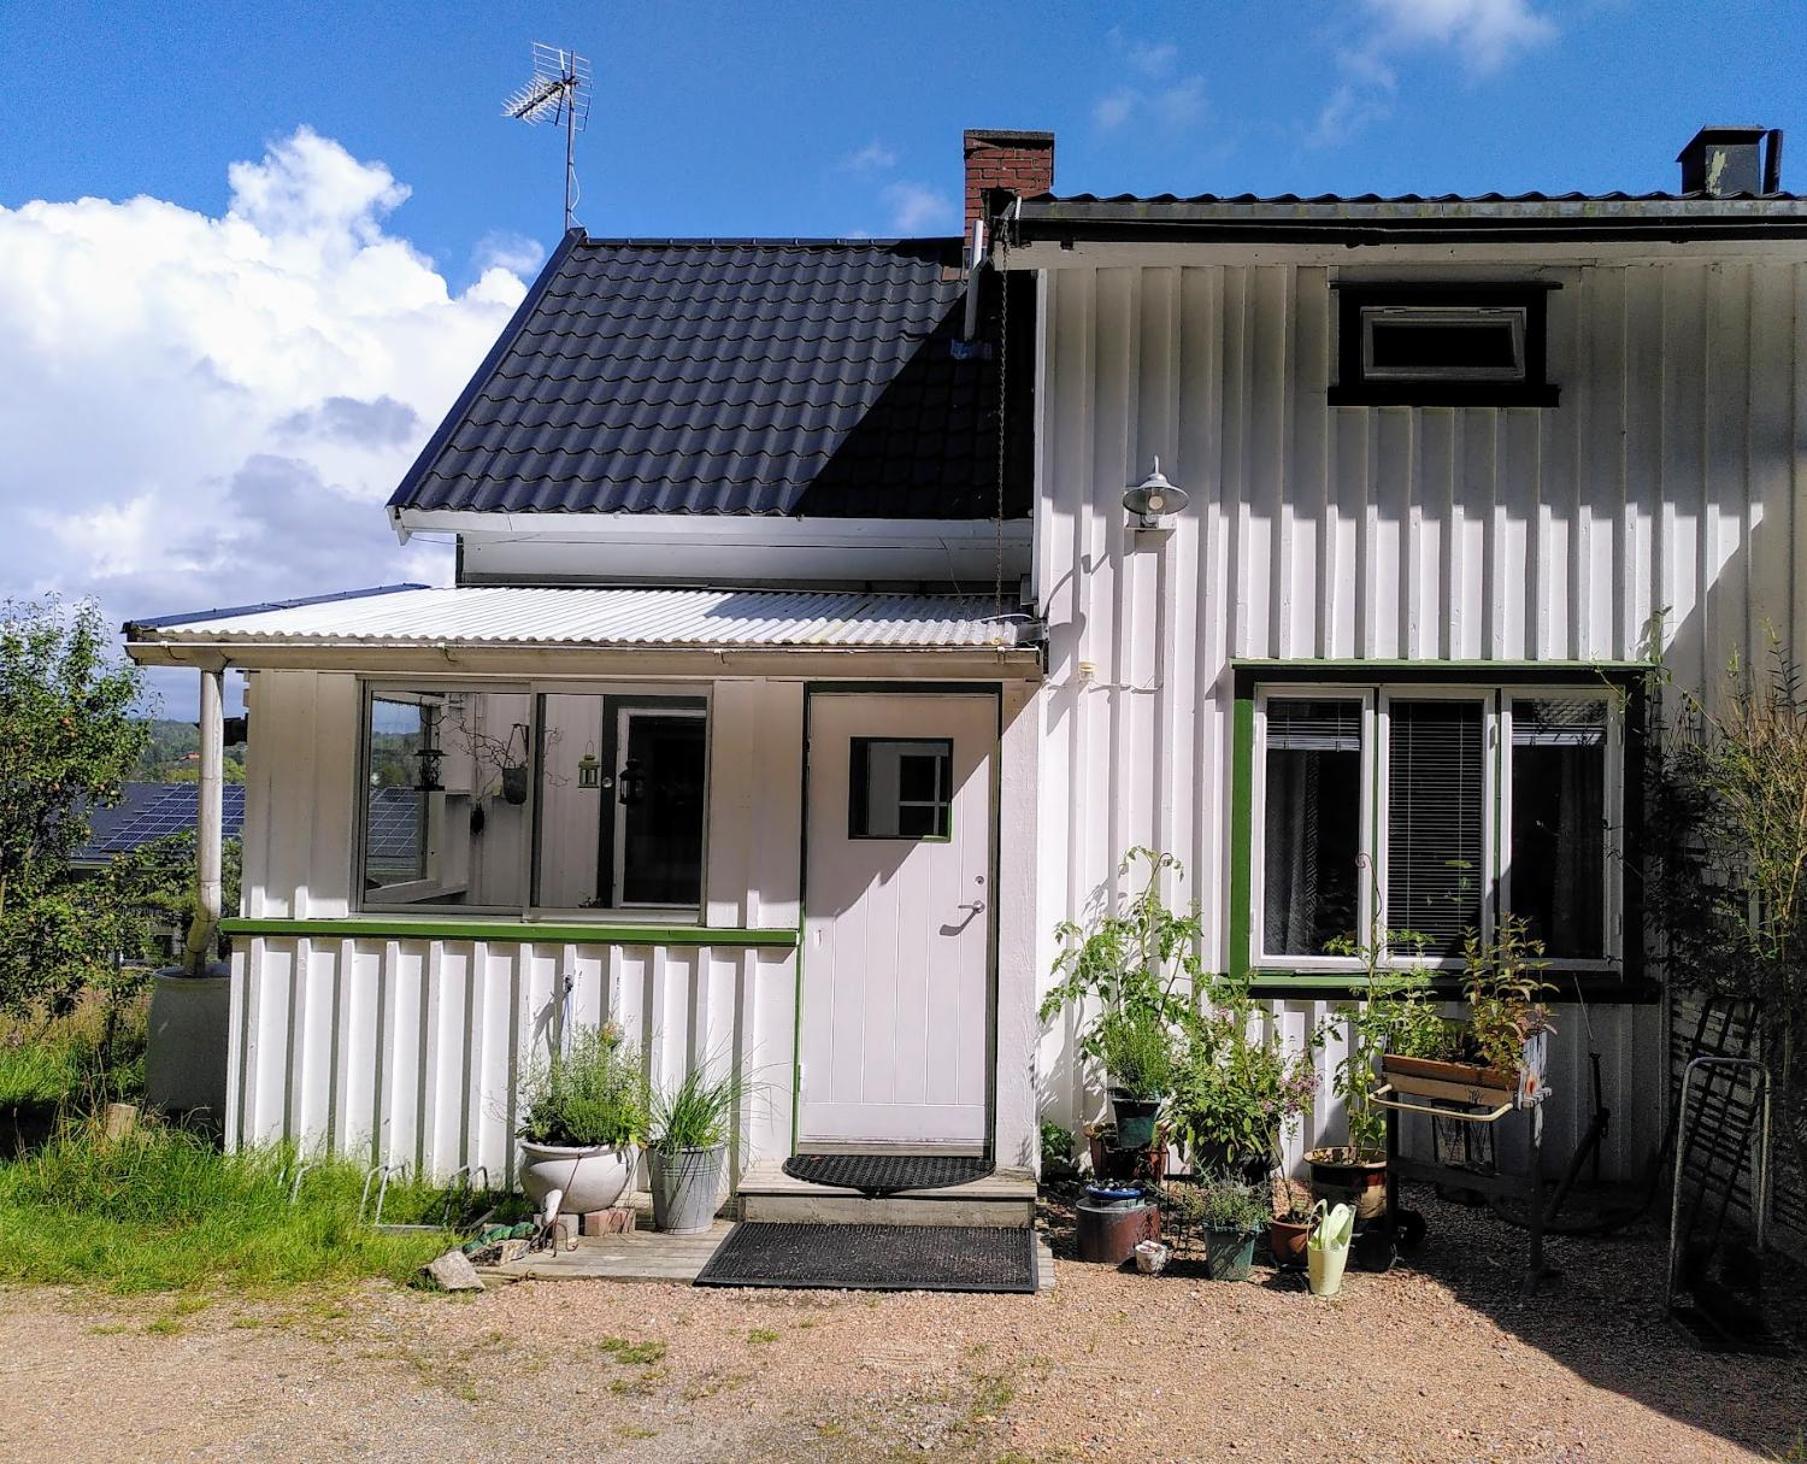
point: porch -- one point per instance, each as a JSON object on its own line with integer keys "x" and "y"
{"x": 480, "y": 818}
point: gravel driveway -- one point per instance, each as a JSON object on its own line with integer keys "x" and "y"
{"x": 1434, "y": 1361}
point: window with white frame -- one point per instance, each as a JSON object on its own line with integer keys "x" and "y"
{"x": 1447, "y": 806}
{"x": 500, "y": 799}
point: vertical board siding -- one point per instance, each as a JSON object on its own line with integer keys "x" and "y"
{"x": 411, "y": 1052}
{"x": 1666, "y": 482}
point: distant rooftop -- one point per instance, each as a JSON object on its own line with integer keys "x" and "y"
{"x": 150, "y": 811}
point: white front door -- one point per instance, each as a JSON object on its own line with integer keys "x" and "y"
{"x": 897, "y": 921}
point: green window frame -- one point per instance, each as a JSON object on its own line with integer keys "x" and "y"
{"x": 1378, "y": 687}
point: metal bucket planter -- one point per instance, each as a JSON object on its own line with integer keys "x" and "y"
{"x": 686, "y": 1188}
{"x": 588, "y": 1179}
{"x": 1229, "y": 1253}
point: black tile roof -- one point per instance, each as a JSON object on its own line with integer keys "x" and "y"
{"x": 741, "y": 377}
{"x": 149, "y": 811}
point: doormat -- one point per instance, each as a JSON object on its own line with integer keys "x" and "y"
{"x": 874, "y": 1257}
{"x": 887, "y": 1174}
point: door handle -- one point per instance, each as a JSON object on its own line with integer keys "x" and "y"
{"x": 972, "y": 907}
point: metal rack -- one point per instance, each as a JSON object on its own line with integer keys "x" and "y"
{"x": 1460, "y": 1106}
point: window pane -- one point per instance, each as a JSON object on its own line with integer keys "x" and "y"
{"x": 395, "y": 807}
{"x": 1312, "y": 832}
{"x": 621, "y": 803}
{"x": 1559, "y": 823}
{"x": 1452, "y": 343}
{"x": 443, "y": 819}
{"x": 661, "y": 802}
{"x": 1434, "y": 821}
{"x": 900, "y": 789}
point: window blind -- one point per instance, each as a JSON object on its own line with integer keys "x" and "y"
{"x": 1435, "y": 853}
{"x": 1314, "y": 726}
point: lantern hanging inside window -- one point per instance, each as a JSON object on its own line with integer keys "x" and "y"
{"x": 589, "y": 770}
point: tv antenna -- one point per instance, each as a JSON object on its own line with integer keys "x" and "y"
{"x": 559, "y": 92}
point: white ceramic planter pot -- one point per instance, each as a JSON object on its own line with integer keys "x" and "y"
{"x": 592, "y": 1179}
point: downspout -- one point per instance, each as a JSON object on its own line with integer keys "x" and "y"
{"x": 208, "y": 883}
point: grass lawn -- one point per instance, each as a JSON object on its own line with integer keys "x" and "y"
{"x": 163, "y": 1209}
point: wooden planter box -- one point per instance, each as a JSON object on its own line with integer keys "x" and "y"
{"x": 1470, "y": 1082}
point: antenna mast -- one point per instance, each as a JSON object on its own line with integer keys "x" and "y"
{"x": 559, "y": 92}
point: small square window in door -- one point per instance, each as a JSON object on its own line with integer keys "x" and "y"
{"x": 900, "y": 788}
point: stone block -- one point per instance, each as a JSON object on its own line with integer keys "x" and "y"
{"x": 618, "y": 1220}
{"x": 454, "y": 1272}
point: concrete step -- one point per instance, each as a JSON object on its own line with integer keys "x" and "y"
{"x": 1004, "y": 1198}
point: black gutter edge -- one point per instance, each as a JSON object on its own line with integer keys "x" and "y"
{"x": 1031, "y": 230}
{"x": 157, "y": 622}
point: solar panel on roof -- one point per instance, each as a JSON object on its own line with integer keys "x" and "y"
{"x": 151, "y": 811}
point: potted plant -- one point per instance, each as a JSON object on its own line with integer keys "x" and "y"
{"x": 688, "y": 1154}
{"x": 1058, "y": 1163}
{"x": 1231, "y": 1214}
{"x": 583, "y": 1117}
{"x": 1136, "y": 1047}
{"x": 1289, "y": 1225}
{"x": 1133, "y": 968}
{"x": 1392, "y": 999}
{"x": 1498, "y": 1055}
{"x": 1237, "y": 1090}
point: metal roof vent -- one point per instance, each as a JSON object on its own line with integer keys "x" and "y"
{"x": 1723, "y": 162}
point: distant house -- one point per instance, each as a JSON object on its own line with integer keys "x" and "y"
{"x": 147, "y": 812}
{"x": 822, "y": 637}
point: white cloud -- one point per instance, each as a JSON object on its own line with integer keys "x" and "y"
{"x": 510, "y": 252}
{"x": 874, "y": 157}
{"x": 1485, "y": 36}
{"x": 212, "y": 410}
{"x": 918, "y": 209}
{"x": 1151, "y": 94}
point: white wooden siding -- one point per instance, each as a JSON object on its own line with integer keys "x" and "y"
{"x": 409, "y": 1051}
{"x": 1666, "y": 481}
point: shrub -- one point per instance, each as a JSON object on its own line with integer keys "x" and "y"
{"x": 592, "y": 1094}
{"x": 1136, "y": 1048}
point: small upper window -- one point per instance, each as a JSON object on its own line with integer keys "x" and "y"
{"x": 900, "y": 788}
{"x": 1442, "y": 345}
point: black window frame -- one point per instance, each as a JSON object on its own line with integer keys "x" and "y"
{"x": 1351, "y": 385}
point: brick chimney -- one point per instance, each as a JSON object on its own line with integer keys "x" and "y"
{"x": 1022, "y": 162}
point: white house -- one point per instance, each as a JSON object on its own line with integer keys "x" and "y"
{"x": 805, "y": 666}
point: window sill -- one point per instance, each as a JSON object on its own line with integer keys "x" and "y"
{"x": 490, "y": 928}
{"x": 1596, "y": 986}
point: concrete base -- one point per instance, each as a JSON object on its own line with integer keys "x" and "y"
{"x": 1005, "y": 1198}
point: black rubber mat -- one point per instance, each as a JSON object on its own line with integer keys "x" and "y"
{"x": 874, "y": 1257}
{"x": 887, "y": 1174}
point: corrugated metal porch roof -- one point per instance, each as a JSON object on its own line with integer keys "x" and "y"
{"x": 528, "y": 616}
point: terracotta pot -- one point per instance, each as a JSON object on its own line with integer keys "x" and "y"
{"x": 1354, "y": 1177}
{"x": 1286, "y": 1241}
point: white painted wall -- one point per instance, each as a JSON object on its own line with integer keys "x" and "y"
{"x": 406, "y": 1050}
{"x": 1667, "y": 480}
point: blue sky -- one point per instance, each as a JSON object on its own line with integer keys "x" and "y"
{"x": 746, "y": 118}
{"x": 249, "y": 253}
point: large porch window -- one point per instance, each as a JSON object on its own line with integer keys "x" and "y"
{"x": 1432, "y": 810}
{"x": 510, "y": 799}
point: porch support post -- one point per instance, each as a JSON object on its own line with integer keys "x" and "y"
{"x": 206, "y": 919}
